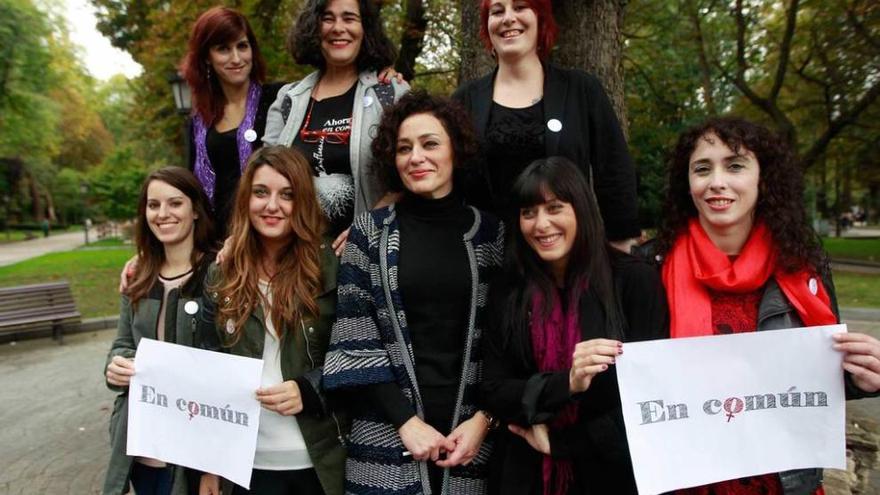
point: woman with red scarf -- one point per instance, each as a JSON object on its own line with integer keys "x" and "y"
{"x": 561, "y": 314}
{"x": 738, "y": 255}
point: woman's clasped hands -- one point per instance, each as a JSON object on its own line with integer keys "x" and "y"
{"x": 424, "y": 443}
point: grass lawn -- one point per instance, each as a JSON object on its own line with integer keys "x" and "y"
{"x": 93, "y": 275}
{"x": 856, "y": 290}
{"x": 849, "y": 248}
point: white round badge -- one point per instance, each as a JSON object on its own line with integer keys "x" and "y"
{"x": 368, "y": 100}
{"x": 230, "y": 326}
{"x": 250, "y": 135}
{"x": 191, "y": 307}
{"x": 554, "y": 125}
{"x": 814, "y": 286}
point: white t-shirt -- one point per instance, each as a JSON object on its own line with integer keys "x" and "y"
{"x": 280, "y": 444}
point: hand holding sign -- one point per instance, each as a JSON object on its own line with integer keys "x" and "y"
{"x": 284, "y": 398}
{"x": 590, "y": 358}
{"x": 209, "y": 484}
{"x": 861, "y": 358}
{"x": 119, "y": 371}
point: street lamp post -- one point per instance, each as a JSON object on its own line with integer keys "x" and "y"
{"x": 183, "y": 104}
{"x": 84, "y": 190}
{"x": 6, "y": 214}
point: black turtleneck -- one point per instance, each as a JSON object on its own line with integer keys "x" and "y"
{"x": 435, "y": 285}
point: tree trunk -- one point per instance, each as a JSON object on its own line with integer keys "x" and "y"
{"x": 590, "y": 39}
{"x": 475, "y": 60}
{"x": 411, "y": 41}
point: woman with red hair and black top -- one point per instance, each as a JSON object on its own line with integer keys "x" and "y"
{"x": 529, "y": 108}
{"x": 226, "y": 74}
{"x": 562, "y": 313}
{"x": 738, "y": 255}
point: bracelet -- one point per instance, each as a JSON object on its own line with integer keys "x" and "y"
{"x": 492, "y": 422}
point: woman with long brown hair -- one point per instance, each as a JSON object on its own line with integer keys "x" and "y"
{"x": 274, "y": 298}
{"x": 173, "y": 235}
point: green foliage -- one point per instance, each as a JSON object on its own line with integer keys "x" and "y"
{"x": 114, "y": 186}
{"x": 682, "y": 65}
{"x": 67, "y": 193}
{"x": 855, "y": 290}
{"x": 93, "y": 276}
{"x": 852, "y": 248}
{"x": 48, "y": 121}
{"x": 27, "y": 113}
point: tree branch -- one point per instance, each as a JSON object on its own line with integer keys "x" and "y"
{"x": 705, "y": 69}
{"x": 860, "y": 28}
{"x": 784, "y": 50}
{"x": 411, "y": 41}
{"x": 838, "y": 124}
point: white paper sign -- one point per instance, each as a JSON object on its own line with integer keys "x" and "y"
{"x": 707, "y": 409}
{"x": 195, "y": 408}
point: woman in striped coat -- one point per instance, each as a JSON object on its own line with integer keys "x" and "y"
{"x": 407, "y": 332}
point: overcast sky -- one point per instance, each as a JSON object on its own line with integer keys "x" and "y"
{"x": 101, "y": 59}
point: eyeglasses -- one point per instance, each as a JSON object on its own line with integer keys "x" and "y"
{"x": 316, "y": 136}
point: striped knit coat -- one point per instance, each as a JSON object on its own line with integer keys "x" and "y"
{"x": 370, "y": 344}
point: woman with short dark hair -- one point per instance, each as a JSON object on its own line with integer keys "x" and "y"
{"x": 331, "y": 114}
{"x": 739, "y": 255}
{"x": 562, "y": 312}
{"x": 412, "y": 299}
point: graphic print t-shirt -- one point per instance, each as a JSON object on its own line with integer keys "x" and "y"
{"x": 331, "y": 162}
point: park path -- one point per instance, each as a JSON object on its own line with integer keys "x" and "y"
{"x": 14, "y": 252}
{"x": 54, "y": 436}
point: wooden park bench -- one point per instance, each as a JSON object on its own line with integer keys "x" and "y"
{"x": 38, "y": 307}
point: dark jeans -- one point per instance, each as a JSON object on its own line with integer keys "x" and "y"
{"x": 148, "y": 480}
{"x": 299, "y": 482}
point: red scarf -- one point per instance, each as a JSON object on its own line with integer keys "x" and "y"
{"x": 695, "y": 264}
{"x": 553, "y": 340}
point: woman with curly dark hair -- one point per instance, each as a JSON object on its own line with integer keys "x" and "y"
{"x": 738, "y": 255}
{"x": 330, "y": 114}
{"x": 412, "y": 296}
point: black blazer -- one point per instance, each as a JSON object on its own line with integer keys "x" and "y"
{"x": 590, "y": 137}
{"x": 516, "y": 392}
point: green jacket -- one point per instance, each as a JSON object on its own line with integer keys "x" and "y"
{"x": 180, "y": 328}
{"x": 302, "y": 360}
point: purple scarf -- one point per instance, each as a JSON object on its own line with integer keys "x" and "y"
{"x": 553, "y": 342}
{"x": 203, "y": 169}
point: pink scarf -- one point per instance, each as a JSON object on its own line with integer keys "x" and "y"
{"x": 553, "y": 341}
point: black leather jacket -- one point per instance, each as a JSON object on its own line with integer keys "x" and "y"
{"x": 775, "y": 312}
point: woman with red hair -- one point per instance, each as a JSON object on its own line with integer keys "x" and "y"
{"x": 226, "y": 73}
{"x": 529, "y": 108}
